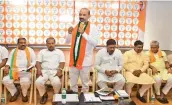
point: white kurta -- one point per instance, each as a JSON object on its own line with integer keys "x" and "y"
{"x": 21, "y": 59}
{"x": 3, "y": 53}
{"x": 92, "y": 41}
{"x": 50, "y": 60}
{"x": 104, "y": 61}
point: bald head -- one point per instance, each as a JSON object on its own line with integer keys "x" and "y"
{"x": 85, "y": 9}
{"x": 84, "y": 15}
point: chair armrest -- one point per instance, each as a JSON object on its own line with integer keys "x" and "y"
{"x": 2, "y": 72}
{"x": 123, "y": 72}
{"x": 149, "y": 71}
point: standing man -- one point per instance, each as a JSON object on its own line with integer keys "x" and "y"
{"x": 109, "y": 62}
{"x": 161, "y": 71}
{"x": 20, "y": 60}
{"x": 83, "y": 37}
{"x": 136, "y": 63}
{"x": 50, "y": 64}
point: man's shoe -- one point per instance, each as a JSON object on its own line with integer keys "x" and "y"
{"x": 14, "y": 98}
{"x": 161, "y": 100}
{"x": 24, "y": 99}
{"x": 165, "y": 100}
{"x": 44, "y": 98}
{"x": 141, "y": 98}
{"x": 132, "y": 103}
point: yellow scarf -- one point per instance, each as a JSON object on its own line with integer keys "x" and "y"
{"x": 13, "y": 66}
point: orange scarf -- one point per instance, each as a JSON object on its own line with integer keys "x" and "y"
{"x": 81, "y": 49}
{"x": 13, "y": 66}
{"x": 152, "y": 57}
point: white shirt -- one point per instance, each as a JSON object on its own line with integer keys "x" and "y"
{"x": 3, "y": 53}
{"x": 50, "y": 59}
{"x": 104, "y": 61}
{"x": 21, "y": 59}
{"x": 92, "y": 41}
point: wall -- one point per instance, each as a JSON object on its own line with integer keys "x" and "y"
{"x": 159, "y": 24}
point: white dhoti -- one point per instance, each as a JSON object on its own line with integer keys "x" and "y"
{"x": 142, "y": 90}
{"x": 24, "y": 82}
{"x": 158, "y": 79}
{"x": 48, "y": 75}
{"x": 84, "y": 74}
{"x": 118, "y": 80}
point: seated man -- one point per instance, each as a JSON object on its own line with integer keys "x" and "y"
{"x": 50, "y": 63}
{"x": 17, "y": 68}
{"x": 109, "y": 64}
{"x": 161, "y": 71}
{"x": 3, "y": 56}
{"x": 136, "y": 64}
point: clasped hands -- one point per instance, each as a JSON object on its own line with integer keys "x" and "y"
{"x": 59, "y": 73}
{"x": 137, "y": 73}
{"x": 110, "y": 73}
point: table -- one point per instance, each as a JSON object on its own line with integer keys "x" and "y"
{"x": 81, "y": 102}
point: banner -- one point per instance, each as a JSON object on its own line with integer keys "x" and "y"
{"x": 36, "y": 20}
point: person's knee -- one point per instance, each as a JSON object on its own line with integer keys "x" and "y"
{"x": 122, "y": 81}
{"x": 170, "y": 80}
{"x": 6, "y": 80}
{"x": 25, "y": 81}
{"x": 56, "y": 83}
{"x": 38, "y": 82}
{"x": 158, "y": 79}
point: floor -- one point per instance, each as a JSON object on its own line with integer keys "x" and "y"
{"x": 50, "y": 95}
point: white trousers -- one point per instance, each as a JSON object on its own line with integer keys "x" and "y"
{"x": 84, "y": 74}
{"x": 142, "y": 90}
{"x": 41, "y": 80}
{"x": 158, "y": 83}
{"x": 117, "y": 85}
{"x": 24, "y": 82}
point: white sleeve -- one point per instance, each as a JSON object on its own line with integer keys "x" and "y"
{"x": 33, "y": 57}
{"x": 39, "y": 56}
{"x": 98, "y": 62}
{"x": 120, "y": 62}
{"x": 10, "y": 57}
{"x": 62, "y": 57}
{"x": 4, "y": 53}
{"x": 93, "y": 38}
{"x": 68, "y": 39}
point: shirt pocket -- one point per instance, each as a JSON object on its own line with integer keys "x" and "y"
{"x": 106, "y": 60}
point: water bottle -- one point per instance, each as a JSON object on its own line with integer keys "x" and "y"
{"x": 2, "y": 100}
{"x": 63, "y": 96}
{"x": 152, "y": 99}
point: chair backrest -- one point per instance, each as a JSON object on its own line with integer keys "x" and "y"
{"x": 169, "y": 57}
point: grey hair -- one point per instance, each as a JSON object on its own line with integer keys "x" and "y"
{"x": 154, "y": 42}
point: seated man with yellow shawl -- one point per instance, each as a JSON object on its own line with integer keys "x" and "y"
{"x": 161, "y": 71}
{"x": 136, "y": 64}
{"x": 20, "y": 61}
